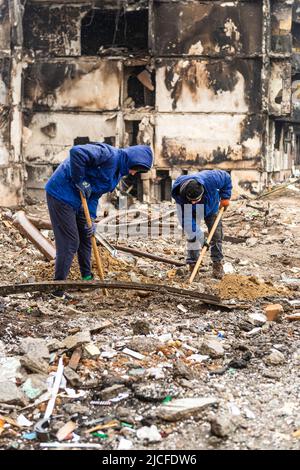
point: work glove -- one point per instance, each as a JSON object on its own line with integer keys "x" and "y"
{"x": 224, "y": 203}
{"x": 85, "y": 188}
{"x": 90, "y": 230}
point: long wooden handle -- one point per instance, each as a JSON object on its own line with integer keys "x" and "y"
{"x": 205, "y": 248}
{"x": 94, "y": 243}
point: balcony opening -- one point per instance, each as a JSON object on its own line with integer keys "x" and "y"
{"x": 114, "y": 32}
{"x": 139, "y": 86}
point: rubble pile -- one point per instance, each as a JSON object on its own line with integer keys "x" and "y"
{"x": 234, "y": 286}
{"x": 135, "y": 370}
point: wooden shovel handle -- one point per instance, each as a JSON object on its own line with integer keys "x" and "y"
{"x": 205, "y": 248}
{"x": 94, "y": 243}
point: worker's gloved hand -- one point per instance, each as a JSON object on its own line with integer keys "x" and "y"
{"x": 224, "y": 203}
{"x": 85, "y": 188}
{"x": 90, "y": 230}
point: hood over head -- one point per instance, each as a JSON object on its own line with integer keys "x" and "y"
{"x": 137, "y": 155}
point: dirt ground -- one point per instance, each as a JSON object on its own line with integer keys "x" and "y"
{"x": 246, "y": 365}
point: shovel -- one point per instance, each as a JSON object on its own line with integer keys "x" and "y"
{"x": 94, "y": 243}
{"x": 206, "y": 246}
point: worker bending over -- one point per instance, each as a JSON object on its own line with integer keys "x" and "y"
{"x": 199, "y": 196}
{"x": 92, "y": 169}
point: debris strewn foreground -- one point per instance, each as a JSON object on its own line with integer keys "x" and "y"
{"x": 158, "y": 371}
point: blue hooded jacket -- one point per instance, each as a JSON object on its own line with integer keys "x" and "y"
{"x": 217, "y": 185}
{"x": 99, "y": 164}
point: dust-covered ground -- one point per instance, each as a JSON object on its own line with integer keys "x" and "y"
{"x": 142, "y": 352}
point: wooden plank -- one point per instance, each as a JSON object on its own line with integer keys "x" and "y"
{"x": 10, "y": 289}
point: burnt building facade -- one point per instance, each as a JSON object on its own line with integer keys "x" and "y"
{"x": 207, "y": 83}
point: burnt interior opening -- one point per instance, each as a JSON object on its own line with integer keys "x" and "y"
{"x": 81, "y": 140}
{"x": 278, "y": 129}
{"x": 114, "y": 32}
{"x": 297, "y": 158}
{"x": 111, "y": 140}
{"x": 140, "y": 86}
{"x": 132, "y": 130}
{"x": 165, "y": 184}
{"x": 133, "y": 186}
{"x": 296, "y": 36}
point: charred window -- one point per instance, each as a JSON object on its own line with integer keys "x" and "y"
{"x": 278, "y": 129}
{"x": 297, "y": 159}
{"x": 114, "y": 32}
{"x": 296, "y": 36}
{"x": 165, "y": 184}
{"x": 132, "y": 130}
{"x": 140, "y": 87}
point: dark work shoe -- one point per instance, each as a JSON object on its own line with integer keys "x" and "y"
{"x": 90, "y": 277}
{"x": 217, "y": 270}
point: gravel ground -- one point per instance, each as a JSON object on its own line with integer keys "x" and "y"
{"x": 248, "y": 366}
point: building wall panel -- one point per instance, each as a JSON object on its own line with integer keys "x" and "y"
{"x": 209, "y": 85}
{"x": 208, "y": 28}
{"x": 63, "y": 85}
{"x": 201, "y": 140}
{"x": 50, "y": 135}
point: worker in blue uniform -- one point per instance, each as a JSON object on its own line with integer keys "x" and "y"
{"x": 199, "y": 196}
{"x": 92, "y": 169}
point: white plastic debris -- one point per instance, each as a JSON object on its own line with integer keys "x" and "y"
{"x": 150, "y": 434}
{"x": 182, "y": 308}
{"x": 23, "y": 421}
{"x": 234, "y": 409}
{"x": 249, "y": 414}
{"x": 228, "y": 268}
{"x": 132, "y": 353}
{"x": 198, "y": 357}
{"x": 165, "y": 337}
{"x": 125, "y": 444}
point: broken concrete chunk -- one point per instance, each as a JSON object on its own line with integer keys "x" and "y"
{"x": 11, "y": 394}
{"x": 67, "y": 429}
{"x": 54, "y": 344}
{"x": 35, "y": 347}
{"x": 32, "y": 364}
{"x": 72, "y": 342}
{"x": 222, "y": 425}
{"x": 257, "y": 319}
{"x": 35, "y": 385}
{"x": 72, "y": 377}
{"x": 180, "y": 369}
{"x": 100, "y": 326}
{"x": 111, "y": 392}
{"x": 10, "y": 369}
{"x": 252, "y": 241}
{"x": 144, "y": 344}
{"x": 212, "y": 347}
{"x": 140, "y": 327}
{"x": 183, "y": 407}
{"x": 72, "y": 408}
{"x": 92, "y": 350}
{"x": 273, "y": 311}
{"x": 2, "y": 349}
{"x": 275, "y": 358}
